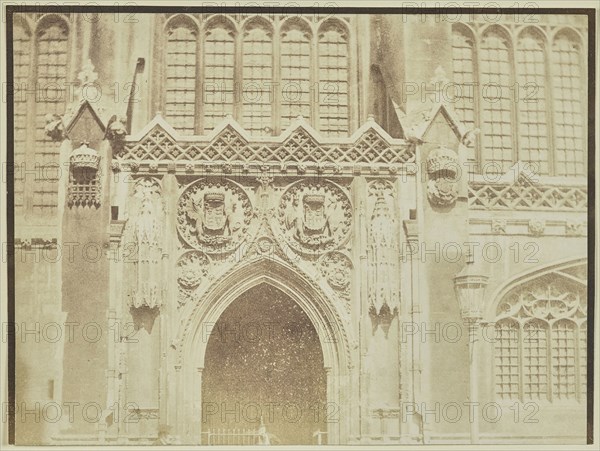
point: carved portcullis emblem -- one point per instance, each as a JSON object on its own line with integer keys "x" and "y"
{"x": 214, "y": 215}
{"x": 315, "y": 217}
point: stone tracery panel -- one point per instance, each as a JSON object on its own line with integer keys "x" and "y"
{"x": 299, "y": 147}
{"x": 540, "y": 346}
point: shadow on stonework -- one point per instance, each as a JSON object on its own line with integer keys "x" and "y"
{"x": 143, "y": 317}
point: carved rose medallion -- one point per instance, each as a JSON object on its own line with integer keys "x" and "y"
{"x": 214, "y": 215}
{"x": 192, "y": 269}
{"x": 314, "y": 217}
{"x": 336, "y": 267}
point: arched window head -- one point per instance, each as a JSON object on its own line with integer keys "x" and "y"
{"x": 333, "y": 80}
{"x": 531, "y": 82}
{"x": 257, "y": 88}
{"x": 567, "y": 82}
{"x": 496, "y": 101}
{"x": 540, "y": 343}
{"x": 51, "y": 66}
{"x": 180, "y": 75}
{"x": 295, "y": 72}
{"x": 219, "y": 61}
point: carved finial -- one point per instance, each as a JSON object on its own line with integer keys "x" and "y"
{"x": 87, "y": 75}
{"x": 54, "y": 127}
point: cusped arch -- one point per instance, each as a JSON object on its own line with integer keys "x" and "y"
{"x": 557, "y": 269}
{"x": 24, "y": 23}
{"x": 334, "y": 24}
{"x": 465, "y": 30}
{"x": 533, "y": 30}
{"x": 273, "y": 271}
{"x": 569, "y": 32}
{"x": 257, "y": 21}
{"x": 182, "y": 20}
{"x": 221, "y": 20}
{"x": 50, "y": 19}
{"x": 299, "y": 23}
{"x": 499, "y": 29}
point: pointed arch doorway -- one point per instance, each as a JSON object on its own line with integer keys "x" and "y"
{"x": 186, "y": 407}
{"x": 264, "y": 366}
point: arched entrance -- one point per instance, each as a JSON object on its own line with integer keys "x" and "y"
{"x": 264, "y": 363}
{"x": 192, "y": 357}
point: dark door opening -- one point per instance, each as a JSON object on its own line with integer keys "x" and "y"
{"x": 263, "y": 373}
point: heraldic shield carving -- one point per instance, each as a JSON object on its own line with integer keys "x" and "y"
{"x": 214, "y": 215}
{"x": 315, "y": 217}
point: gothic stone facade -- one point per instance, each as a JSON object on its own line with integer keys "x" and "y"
{"x": 173, "y": 169}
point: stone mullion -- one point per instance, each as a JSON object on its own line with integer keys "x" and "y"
{"x": 276, "y": 87}
{"x": 360, "y": 307}
{"x": 169, "y": 314}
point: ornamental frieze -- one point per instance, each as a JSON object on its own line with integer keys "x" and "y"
{"x": 314, "y": 217}
{"x": 214, "y": 215}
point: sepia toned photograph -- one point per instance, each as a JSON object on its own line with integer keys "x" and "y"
{"x": 289, "y": 224}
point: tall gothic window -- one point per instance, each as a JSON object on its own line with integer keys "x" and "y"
{"x": 219, "y": 60}
{"x": 180, "y": 82}
{"x": 21, "y": 68}
{"x": 463, "y": 56}
{"x": 295, "y": 72}
{"x": 533, "y": 120}
{"x": 220, "y": 68}
{"x": 333, "y": 80}
{"x": 540, "y": 345}
{"x": 497, "y": 106}
{"x": 257, "y": 54}
{"x": 463, "y": 69}
{"x": 520, "y": 115}
{"x": 568, "y": 84}
{"x": 51, "y": 77}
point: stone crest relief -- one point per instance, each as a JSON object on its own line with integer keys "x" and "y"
{"x": 192, "y": 269}
{"x": 214, "y": 215}
{"x": 314, "y": 217}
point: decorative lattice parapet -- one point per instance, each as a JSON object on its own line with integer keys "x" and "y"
{"x": 300, "y": 146}
{"x": 500, "y": 196}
